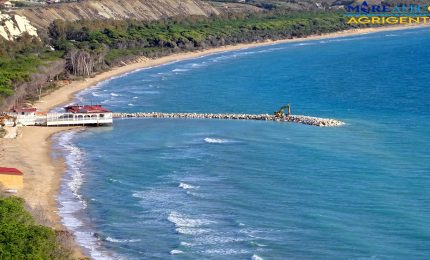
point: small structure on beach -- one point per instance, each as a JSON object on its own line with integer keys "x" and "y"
{"x": 26, "y": 111}
{"x": 11, "y": 178}
{"x": 81, "y": 115}
{"x": 27, "y": 116}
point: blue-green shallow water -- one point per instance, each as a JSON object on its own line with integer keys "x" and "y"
{"x": 213, "y": 189}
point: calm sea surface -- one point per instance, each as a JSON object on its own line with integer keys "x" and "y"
{"x": 213, "y": 189}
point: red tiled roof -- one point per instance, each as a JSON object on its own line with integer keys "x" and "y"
{"x": 10, "y": 171}
{"x": 86, "y": 109}
{"x": 29, "y": 109}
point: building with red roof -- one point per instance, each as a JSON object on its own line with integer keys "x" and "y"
{"x": 27, "y": 110}
{"x": 81, "y": 115}
{"x": 86, "y": 109}
{"x": 11, "y": 178}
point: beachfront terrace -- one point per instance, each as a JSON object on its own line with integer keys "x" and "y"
{"x": 65, "y": 119}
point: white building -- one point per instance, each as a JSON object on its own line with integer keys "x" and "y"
{"x": 75, "y": 115}
{"x": 81, "y": 115}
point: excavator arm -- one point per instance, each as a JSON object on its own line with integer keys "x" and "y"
{"x": 281, "y": 111}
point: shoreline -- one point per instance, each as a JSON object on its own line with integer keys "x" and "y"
{"x": 43, "y": 174}
{"x": 66, "y": 93}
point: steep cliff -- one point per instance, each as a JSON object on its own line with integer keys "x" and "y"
{"x": 41, "y": 17}
{"x": 12, "y": 26}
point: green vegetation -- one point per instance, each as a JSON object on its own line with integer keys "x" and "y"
{"x": 15, "y": 70}
{"x": 94, "y": 45}
{"x": 19, "y": 59}
{"x": 22, "y": 238}
{"x": 89, "y": 46}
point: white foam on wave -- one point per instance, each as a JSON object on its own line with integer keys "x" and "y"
{"x": 176, "y": 252}
{"x": 114, "y": 180}
{"x": 181, "y": 220}
{"x": 130, "y": 105}
{"x": 72, "y": 202}
{"x": 198, "y": 65}
{"x": 345, "y": 39}
{"x": 187, "y": 186}
{"x": 114, "y": 94}
{"x": 305, "y": 44}
{"x": 191, "y": 231}
{"x": 186, "y": 244}
{"x": 224, "y": 57}
{"x": 179, "y": 70}
{"x": 110, "y": 101}
{"x": 259, "y": 245}
{"x": 226, "y": 251}
{"x": 188, "y": 226}
{"x": 91, "y": 90}
{"x": 213, "y": 240}
{"x": 115, "y": 240}
{"x": 150, "y": 92}
{"x": 256, "y": 257}
{"x": 252, "y": 233}
{"x": 74, "y": 158}
{"x": 215, "y": 140}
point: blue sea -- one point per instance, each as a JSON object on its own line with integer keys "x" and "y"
{"x": 214, "y": 189}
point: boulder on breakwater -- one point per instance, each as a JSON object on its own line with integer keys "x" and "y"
{"x": 307, "y": 120}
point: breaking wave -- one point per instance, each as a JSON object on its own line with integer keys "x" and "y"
{"x": 176, "y": 252}
{"x": 256, "y": 257}
{"x": 114, "y": 240}
{"x": 181, "y": 220}
{"x": 226, "y": 251}
{"x": 72, "y": 204}
{"x": 305, "y": 43}
{"x": 186, "y": 186}
{"x": 215, "y": 140}
{"x": 179, "y": 70}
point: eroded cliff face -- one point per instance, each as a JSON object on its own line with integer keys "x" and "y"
{"x": 41, "y": 17}
{"x": 13, "y": 25}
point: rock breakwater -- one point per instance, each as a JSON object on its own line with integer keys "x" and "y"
{"x": 307, "y": 120}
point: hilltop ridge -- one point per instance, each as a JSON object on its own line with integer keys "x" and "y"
{"x": 43, "y": 16}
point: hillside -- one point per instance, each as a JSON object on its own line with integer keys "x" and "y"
{"x": 80, "y": 39}
{"x": 41, "y": 17}
{"x": 296, "y": 5}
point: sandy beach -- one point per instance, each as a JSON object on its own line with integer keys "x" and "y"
{"x": 31, "y": 151}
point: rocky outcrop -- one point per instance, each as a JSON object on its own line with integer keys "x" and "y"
{"x": 307, "y": 120}
{"x": 13, "y": 25}
{"x": 41, "y": 17}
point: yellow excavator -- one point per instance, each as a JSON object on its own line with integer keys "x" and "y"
{"x": 4, "y": 117}
{"x": 281, "y": 112}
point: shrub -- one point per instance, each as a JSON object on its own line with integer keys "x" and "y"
{"x": 21, "y": 237}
